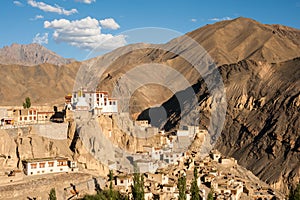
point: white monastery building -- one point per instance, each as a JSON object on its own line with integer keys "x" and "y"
{"x": 97, "y": 102}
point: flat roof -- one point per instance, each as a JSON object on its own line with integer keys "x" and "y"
{"x": 44, "y": 159}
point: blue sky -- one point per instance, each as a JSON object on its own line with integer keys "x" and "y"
{"x": 72, "y": 28}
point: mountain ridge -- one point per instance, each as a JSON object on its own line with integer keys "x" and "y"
{"x": 30, "y": 55}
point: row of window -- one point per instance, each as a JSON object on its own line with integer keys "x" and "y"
{"x": 29, "y": 118}
{"x": 50, "y": 164}
{"x": 83, "y": 95}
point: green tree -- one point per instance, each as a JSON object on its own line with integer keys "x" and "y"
{"x": 52, "y": 194}
{"x": 112, "y": 195}
{"x": 295, "y": 193}
{"x": 194, "y": 187}
{"x": 27, "y": 103}
{"x": 181, "y": 185}
{"x": 210, "y": 195}
{"x": 138, "y": 186}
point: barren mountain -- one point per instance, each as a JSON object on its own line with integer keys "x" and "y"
{"x": 226, "y": 42}
{"x": 30, "y": 54}
{"x": 44, "y": 84}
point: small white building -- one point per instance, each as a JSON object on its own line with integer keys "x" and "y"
{"x": 47, "y": 165}
{"x": 215, "y": 155}
{"x": 25, "y": 116}
{"x": 172, "y": 157}
{"x": 146, "y": 165}
{"x": 143, "y": 123}
{"x": 160, "y": 178}
{"x": 124, "y": 181}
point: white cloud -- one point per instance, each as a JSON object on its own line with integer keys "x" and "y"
{"x": 48, "y": 8}
{"x": 37, "y": 17}
{"x": 84, "y": 33}
{"x": 40, "y": 39}
{"x": 17, "y": 3}
{"x": 193, "y": 20}
{"x": 109, "y": 23}
{"x": 216, "y": 19}
{"x": 86, "y": 1}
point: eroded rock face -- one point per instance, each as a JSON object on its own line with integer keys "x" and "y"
{"x": 17, "y": 145}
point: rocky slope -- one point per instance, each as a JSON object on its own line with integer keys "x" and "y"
{"x": 262, "y": 121}
{"x": 30, "y": 54}
{"x": 44, "y": 84}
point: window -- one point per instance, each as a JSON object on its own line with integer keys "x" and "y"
{"x": 33, "y": 165}
{"x": 110, "y": 103}
{"x": 43, "y": 171}
{"x": 20, "y": 118}
{"x": 51, "y": 170}
{"x": 114, "y": 103}
{"x": 31, "y": 172}
{"x": 34, "y": 118}
{"x": 42, "y": 165}
{"x": 62, "y": 163}
{"x": 38, "y": 172}
{"x": 61, "y": 169}
{"x": 121, "y": 181}
{"x": 30, "y": 118}
{"x": 50, "y": 164}
{"x": 25, "y": 118}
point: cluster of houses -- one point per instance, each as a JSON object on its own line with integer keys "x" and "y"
{"x": 172, "y": 149}
{"x": 19, "y": 116}
{"x": 162, "y": 184}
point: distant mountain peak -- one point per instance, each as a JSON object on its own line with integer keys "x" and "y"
{"x": 30, "y": 54}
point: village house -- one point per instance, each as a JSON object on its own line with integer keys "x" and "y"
{"x": 124, "y": 182}
{"x": 227, "y": 187}
{"x": 215, "y": 155}
{"x": 143, "y": 123}
{"x": 25, "y": 116}
{"x": 146, "y": 165}
{"x": 47, "y": 165}
{"x": 7, "y": 121}
{"x": 172, "y": 157}
{"x": 44, "y": 116}
{"x": 158, "y": 177}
